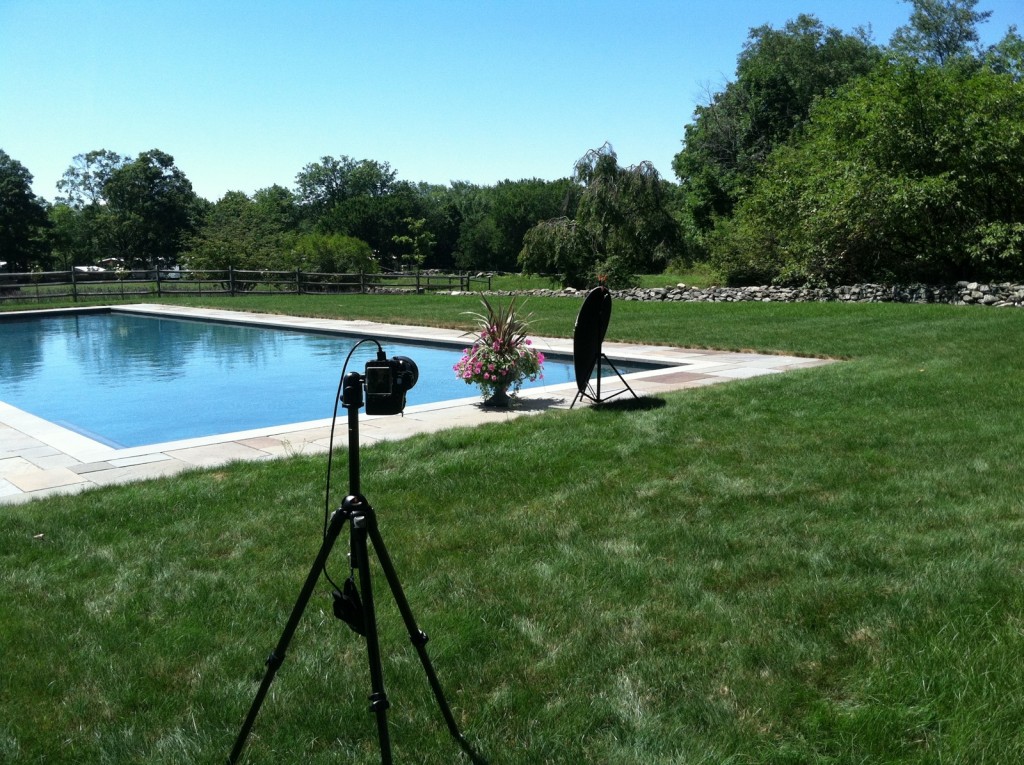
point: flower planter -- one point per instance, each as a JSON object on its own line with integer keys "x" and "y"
{"x": 501, "y": 356}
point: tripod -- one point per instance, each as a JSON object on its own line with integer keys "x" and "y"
{"x": 357, "y": 609}
{"x": 586, "y": 391}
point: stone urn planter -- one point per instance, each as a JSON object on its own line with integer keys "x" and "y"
{"x": 499, "y": 400}
{"x": 501, "y": 357}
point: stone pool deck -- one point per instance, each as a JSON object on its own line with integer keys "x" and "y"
{"x": 40, "y": 459}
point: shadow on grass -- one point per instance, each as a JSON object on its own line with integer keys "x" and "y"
{"x": 641, "y": 404}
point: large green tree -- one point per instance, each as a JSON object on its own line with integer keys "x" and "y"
{"x": 138, "y": 210}
{"x": 279, "y": 206}
{"x": 779, "y": 75}
{"x": 361, "y": 199}
{"x": 377, "y": 219}
{"x": 940, "y": 31}
{"x": 332, "y": 254}
{"x": 440, "y": 206}
{"x": 76, "y": 235}
{"x": 154, "y": 207}
{"x": 84, "y": 182}
{"x": 85, "y": 225}
{"x": 914, "y": 173}
{"x": 240, "y": 232}
{"x": 622, "y": 226}
{"x": 22, "y": 216}
{"x": 332, "y": 181}
{"x": 416, "y": 244}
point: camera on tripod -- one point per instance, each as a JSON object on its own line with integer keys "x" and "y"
{"x": 387, "y": 381}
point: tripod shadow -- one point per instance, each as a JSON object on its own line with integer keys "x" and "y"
{"x": 640, "y": 404}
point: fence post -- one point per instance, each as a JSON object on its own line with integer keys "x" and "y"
{"x": 74, "y": 287}
{"x": 362, "y": 283}
{"x": 231, "y": 280}
{"x": 419, "y": 290}
{"x": 298, "y": 281}
{"x": 159, "y": 290}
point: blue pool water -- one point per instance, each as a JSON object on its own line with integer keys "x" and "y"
{"x": 131, "y": 380}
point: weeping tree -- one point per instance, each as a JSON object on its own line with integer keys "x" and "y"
{"x": 556, "y": 247}
{"x": 622, "y": 226}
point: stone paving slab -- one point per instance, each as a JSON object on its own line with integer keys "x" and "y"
{"x": 40, "y": 459}
{"x": 39, "y": 479}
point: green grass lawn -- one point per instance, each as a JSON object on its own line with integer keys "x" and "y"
{"x": 817, "y": 567}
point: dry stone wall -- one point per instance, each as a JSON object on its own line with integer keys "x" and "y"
{"x": 963, "y": 293}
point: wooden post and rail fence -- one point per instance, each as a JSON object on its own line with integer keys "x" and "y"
{"x": 78, "y": 285}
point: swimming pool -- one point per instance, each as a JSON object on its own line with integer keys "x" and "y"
{"x": 126, "y": 380}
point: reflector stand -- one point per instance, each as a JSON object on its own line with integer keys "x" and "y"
{"x": 587, "y": 340}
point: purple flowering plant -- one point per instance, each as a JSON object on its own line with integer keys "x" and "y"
{"x": 502, "y": 356}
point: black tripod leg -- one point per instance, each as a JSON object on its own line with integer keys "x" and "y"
{"x": 378, "y": 698}
{"x": 623, "y": 379}
{"x": 276, "y": 658}
{"x": 417, "y": 636}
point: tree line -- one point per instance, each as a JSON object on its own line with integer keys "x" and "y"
{"x": 830, "y": 160}
{"x": 341, "y": 214}
{"x": 827, "y": 159}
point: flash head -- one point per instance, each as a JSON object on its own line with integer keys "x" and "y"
{"x": 387, "y": 382}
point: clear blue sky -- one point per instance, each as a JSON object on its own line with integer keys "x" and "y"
{"x": 245, "y": 93}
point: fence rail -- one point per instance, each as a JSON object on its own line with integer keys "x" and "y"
{"x": 91, "y": 285}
